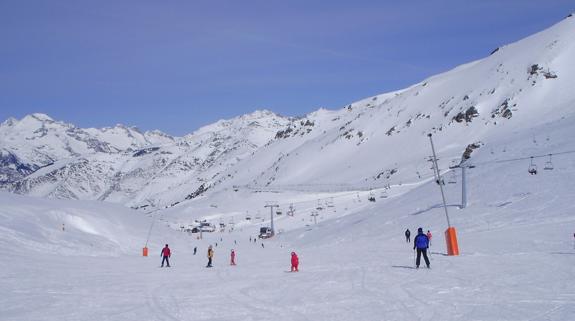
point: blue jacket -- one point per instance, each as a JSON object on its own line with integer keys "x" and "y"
{"x": 421, "y": 241}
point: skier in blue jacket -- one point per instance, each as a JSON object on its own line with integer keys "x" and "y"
{"x": 421, "y": 242}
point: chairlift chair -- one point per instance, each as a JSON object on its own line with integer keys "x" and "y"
{"x": 532, "y": 168}
{"x": 452, "y": 179}
{"x": 330, "y": 202}
{"x": 548, "y": 164}
{"x": 371, "y": 196}
{"x": 383, "y": 194}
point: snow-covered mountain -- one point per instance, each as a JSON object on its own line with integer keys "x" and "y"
{"x": 37, "y": 140}
{"x": 120, "y": 164}
{"x": 479, "y": 110}
{"x": 474, "y": 110}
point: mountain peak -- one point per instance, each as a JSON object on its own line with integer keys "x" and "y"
{"x": 39, "y": 116}
{"x": 9, "y": 122}
{"x": 260, "y": 114}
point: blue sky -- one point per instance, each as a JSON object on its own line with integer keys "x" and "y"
{"x": 177, "y": 65}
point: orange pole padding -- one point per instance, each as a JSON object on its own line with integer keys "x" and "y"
{"x": 145, "y": 251}
{"x": 451, "y": 239}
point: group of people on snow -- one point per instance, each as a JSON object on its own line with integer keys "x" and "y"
{"x": 421, "y": 244}
{"x": 166, "y": 254}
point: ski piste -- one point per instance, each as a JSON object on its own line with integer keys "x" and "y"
{"x": 516, "y": 234}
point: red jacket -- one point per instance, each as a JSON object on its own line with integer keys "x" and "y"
{"x": 294, "y": 259}
{"x": 166, "y": 251}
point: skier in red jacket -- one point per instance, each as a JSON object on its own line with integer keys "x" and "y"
{"x": 233, "y": 258}
{"x": 166, "y": 253}
{"x": 294, "y": 262}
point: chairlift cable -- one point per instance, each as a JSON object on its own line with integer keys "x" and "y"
{"x": 522, "y": 158}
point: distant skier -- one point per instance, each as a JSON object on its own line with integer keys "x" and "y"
{"x": 263, "y": 245}
{"x": 429, "y": 237}
{"x": 233, "y": 258}
{"x": 195, "y": 249}
{"x": 210, "y": 256}
{"x": 166, "y": 254}
{"x": 407, "y": 236}
{"x": 421, "y": 242}
{"x": 294, "y": 262}
{"x": 250, "y": 238}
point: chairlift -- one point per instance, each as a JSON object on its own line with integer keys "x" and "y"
{"x": 278, "y": 212}
{"x": 330, "y": 203}
{"x": 383, "y": 194}
{"x": 532, "y": 168}
{"x": 371, "y": 197}
{"x": 548, "y": 164}
{"x": 452, "y": 178}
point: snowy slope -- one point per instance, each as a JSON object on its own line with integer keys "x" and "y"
{"x": 515, "y": 236}
{"x": 521, "y": 86}
{"x": 69, "y": 227}
{"x": 516, "y": 262}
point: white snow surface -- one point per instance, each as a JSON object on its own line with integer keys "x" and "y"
{"x": 516, "y": 236}
{"x": 516, "y": 261}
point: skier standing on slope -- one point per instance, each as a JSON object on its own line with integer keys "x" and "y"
{"x": 195, "y": 249}
{"x": 407, "y": 236}
{"x": 233, "y": 258}
{"x": 166, "y": 253}
{"x": 421, "y": 242}
{"x": 294, "y": 262}
{"x": 210, "y": 256}
{"x": 429, "y": 237}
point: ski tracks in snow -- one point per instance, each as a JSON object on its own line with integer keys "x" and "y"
{"x": 162, "y": 305}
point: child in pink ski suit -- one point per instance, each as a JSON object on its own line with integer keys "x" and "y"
{"x": 294, "y": 262}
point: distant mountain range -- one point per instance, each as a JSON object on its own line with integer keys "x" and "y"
{"x": 472, "y": 111}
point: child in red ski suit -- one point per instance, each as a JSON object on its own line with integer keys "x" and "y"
{"x": 294, "y": 262}
{"x": 233, "y": 258}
